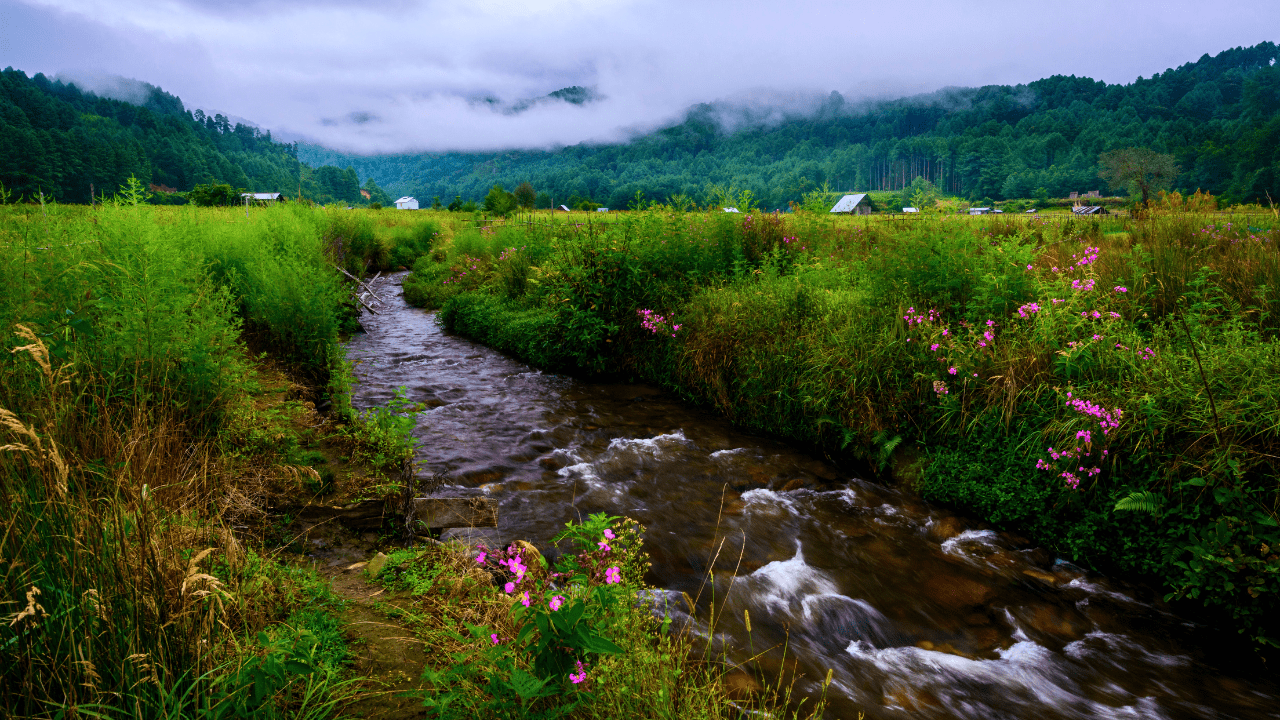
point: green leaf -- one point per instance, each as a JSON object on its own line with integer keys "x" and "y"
{"x": 1143, "y": 501}
{"x": 602, "y": 646}
{"x": 527, "y": 686}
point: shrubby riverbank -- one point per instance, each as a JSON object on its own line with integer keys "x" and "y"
{"x": 1106, "y": 386}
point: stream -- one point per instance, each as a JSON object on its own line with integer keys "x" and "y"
{"x": 918, "y": 612}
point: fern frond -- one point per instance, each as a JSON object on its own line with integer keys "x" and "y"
{"x": 1143, "y": 501}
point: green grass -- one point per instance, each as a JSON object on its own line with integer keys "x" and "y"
{"x": 806, "y": 327}
{"x": 130, "y": 446}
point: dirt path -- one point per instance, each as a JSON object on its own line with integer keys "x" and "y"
{"x": 388, "y": 658}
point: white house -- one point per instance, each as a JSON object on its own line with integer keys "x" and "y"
{"x": 261, "y": 197}
{"x": 407, "y": 203}
{"x": 853, "y": 204}
{"x": 602, "y": 209}
{"x": 910, "y": 210}
{"x": 979, "y": 211}
{"x": 732, "y": 209}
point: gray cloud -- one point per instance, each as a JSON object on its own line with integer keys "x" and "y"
{"x": 405, "y": 75}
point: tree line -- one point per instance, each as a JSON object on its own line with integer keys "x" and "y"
{"x": 1218, "y": 117}
{"x": 70, "y": 145}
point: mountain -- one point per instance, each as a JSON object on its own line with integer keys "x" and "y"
{"x": 1219, "y": 116}
{"x": 68, "y": 143}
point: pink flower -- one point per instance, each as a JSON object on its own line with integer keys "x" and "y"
{"x": 582, "y": 674}
{"x": 494, "y": 638}
{"x": 480, "y": 558}
{"x": 604, "y": 546}
{"x": 556, "y": 602}
{"x": 951, "y": 370}
{"x": 608, "y": 534}
{"x": 612, "y": 575}
{"x": 509, "y": 588}
{"x": 933, "y": 347}
{"x": 525, "y": 600}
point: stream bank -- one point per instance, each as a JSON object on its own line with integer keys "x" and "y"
{"x": 915, "y": 609}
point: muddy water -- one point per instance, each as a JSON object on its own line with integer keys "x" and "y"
{"x": 919, "y": 613}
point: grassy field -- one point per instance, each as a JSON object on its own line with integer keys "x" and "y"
{"x": 171, "y": 375}
{"x": 1109, "y": 386}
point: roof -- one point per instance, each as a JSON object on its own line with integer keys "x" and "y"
{"x": 910, "y": 210}
{"x": 261, "y": 196}
{"x": 565, "y": 208}
{"x": 848, "y": 203}
{"x": 1087, "y": 210}
{"x": 732, "y": 209}
{"x": 407, "y": 198}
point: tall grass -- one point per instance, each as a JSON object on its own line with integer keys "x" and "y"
{"x": 973, "y": 357}
{"x": 124, "y": 592}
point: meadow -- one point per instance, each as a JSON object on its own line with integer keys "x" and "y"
{"x": 1106, "y": 386}
{"x": 173, "y": 390}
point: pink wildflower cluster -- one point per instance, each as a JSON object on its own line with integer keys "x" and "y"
{"x": 940, "y": 387}
{"x": 1089, "y": 257}
{"x": 1146, "y": 353}
{"x": 1233, "y": 235}
{"x": 656, "y": 324}
{"x": 787, "y": 244}
{"x": 1108, "y": 420}
{"x": 1028, "y": 310}
{"x": 509, "y": 252}
{"x": 914, "y": 318}
{"x": 511, "y": 562}
{"x": 469, "y": 263}
{"x": 1083, "y": 285}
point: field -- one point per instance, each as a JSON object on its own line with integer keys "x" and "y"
{"x": 1107, "y": 386}
{"x": 174, "y": 394}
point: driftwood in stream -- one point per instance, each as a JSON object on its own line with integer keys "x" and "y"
{"x": 434, "y": 513}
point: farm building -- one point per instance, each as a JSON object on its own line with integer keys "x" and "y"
{"x": 602, "y": 209}
{"x": 910, "y": 210}
{"x": 1089, "y": 210}
{"x": 407, "y": 203}
{"x": 731, "y": 209}
{"x": 853, "y": 204}
{"x": 264, "y": 198}
{"x": 565, "y": 208}
{"x": 979, "y": 211}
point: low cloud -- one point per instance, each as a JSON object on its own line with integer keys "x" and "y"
{"x": 406, "y": 75}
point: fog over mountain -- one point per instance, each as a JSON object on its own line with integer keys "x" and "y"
{"x": 407, "y": 75}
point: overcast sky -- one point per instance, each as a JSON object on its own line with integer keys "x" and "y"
{"x": 405, "y": 74}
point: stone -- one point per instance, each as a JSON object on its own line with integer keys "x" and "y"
{"x": 375, "y": 565}
{"x": 943, "y": 529}
{"x": 954, "y": 591}
{"x": 1042, "y": 576}
{"x": 797, "y": 484}
{"x": 1053, "y": 621}
{"x": 739, "y": 685}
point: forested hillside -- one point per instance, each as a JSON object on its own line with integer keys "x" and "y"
{"x": 64, "y": 142}
{"x": 1219, "y": 116}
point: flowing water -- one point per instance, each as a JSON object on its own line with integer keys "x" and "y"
{"x": 918, "y": 612}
